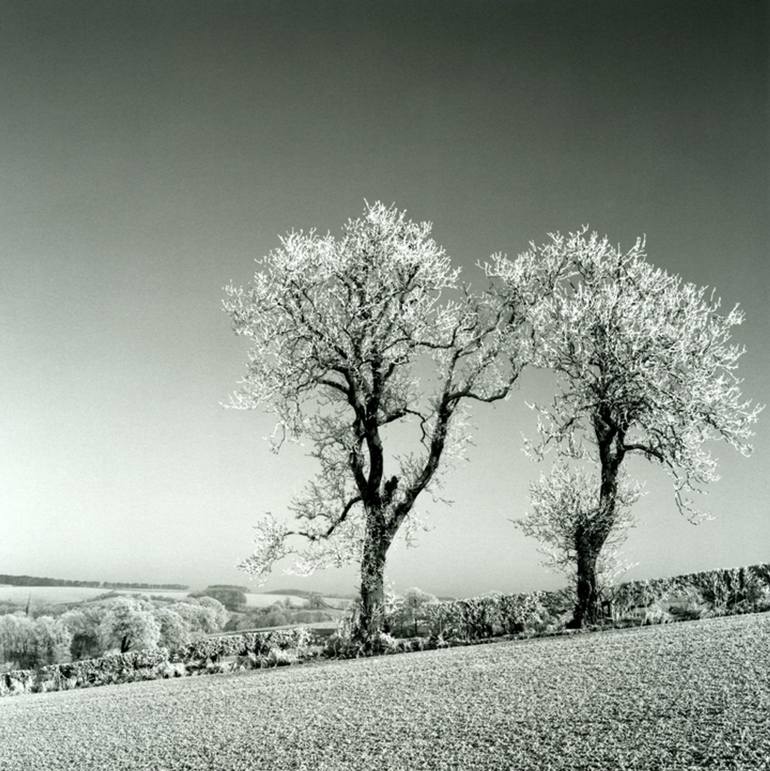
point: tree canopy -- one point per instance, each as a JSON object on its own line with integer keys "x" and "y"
{"x": 350, "y": 336}
{"x": 645, "y": 365}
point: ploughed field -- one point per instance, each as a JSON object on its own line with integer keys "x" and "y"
{"x": 683, "y": 696}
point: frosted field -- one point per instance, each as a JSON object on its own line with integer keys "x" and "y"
{"x": 254, "y": 600}
{"x": 59, "y": 594}
{"x": 684, "y": 696}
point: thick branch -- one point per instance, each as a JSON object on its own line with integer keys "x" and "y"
{"x": 646, "y": 449}
{"x": 334, "y": 525}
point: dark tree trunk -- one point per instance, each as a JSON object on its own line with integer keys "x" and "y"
{"x": 368, "y": 622}
{"x": 592, "y": 534}
{"x": 587, "y": 610}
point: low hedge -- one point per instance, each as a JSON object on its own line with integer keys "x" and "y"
{"x": 115, "y": 668}
{"x": 224, "y": 653}
{"x": 718, "y": 591}
{"x": 482, "y": 617}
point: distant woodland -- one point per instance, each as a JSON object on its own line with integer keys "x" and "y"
{"x": 38, "y": 581}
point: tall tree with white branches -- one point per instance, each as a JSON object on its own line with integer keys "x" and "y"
{"x": 350, "y": 336}
{"x": 645, "y": 365}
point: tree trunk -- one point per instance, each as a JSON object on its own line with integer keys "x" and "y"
{"x": 592, "y": 534}
{"x": 368, "y": 622}
{"x": 587, "y": 610}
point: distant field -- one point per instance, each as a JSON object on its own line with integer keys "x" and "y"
{"x": 682, "y": 696}
{"x": 254, "y": 600}
{"x": 51, "y": 595}
{"x": 316, "y": 626}
{"x": 57, "y": 594}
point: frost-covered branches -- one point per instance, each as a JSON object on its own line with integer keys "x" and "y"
{"x": 645, "y": 361}
{"x": 645, "y": 365}
{"x": 352, "y": 335}
{"x": 565, "y": 503}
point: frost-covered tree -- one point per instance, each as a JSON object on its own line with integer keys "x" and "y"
{"x": 565, "y": 505}
{"x": 174, "y": 629}
{"x": 129, "y": 625}
{"x": 83, "y": 625}
{"x": 215, "y": 616}
{"x": 351, "y": 336}
{"x": 645, "y": 365}
{"x": 28, "y": 642}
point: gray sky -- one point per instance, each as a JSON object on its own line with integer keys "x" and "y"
{"x": 149, "y": 151}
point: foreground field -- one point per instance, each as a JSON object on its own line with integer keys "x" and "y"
{"x": 684, "y": 696}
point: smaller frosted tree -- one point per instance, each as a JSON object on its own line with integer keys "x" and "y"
{"x": 645, "y": 366}
{"x": 414, "y": 602}
{"x": 127, "y": 626}
{"x": 17, "y": 640}
{"x": 565, "y": 505}
{"x": 52, "y": 640}
{"x": 29, "y": 643}
{"x": 202, "y": 615}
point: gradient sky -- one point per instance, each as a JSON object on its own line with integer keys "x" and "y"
{"x": 149, "y": 151}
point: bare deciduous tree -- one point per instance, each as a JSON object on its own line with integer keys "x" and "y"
{"x": 645, "y": 364}
{"x": 349, "y": 337}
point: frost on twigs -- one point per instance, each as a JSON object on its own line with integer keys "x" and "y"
{"x": 353, "y": 337}
{"x": 645, "y": 365}
{"x": 645, "y": 361}
{"x": 566, "y": 501}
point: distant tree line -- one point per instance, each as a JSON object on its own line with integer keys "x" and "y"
{"x": 134, "y": 585}
{"x": 42, "y": 581}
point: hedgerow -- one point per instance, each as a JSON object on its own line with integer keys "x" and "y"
{"x": 716, "y": 592}
{"x": 247, "y": 651}
{"x": 115, "y": 668}
{"x": 482, "y": 617}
